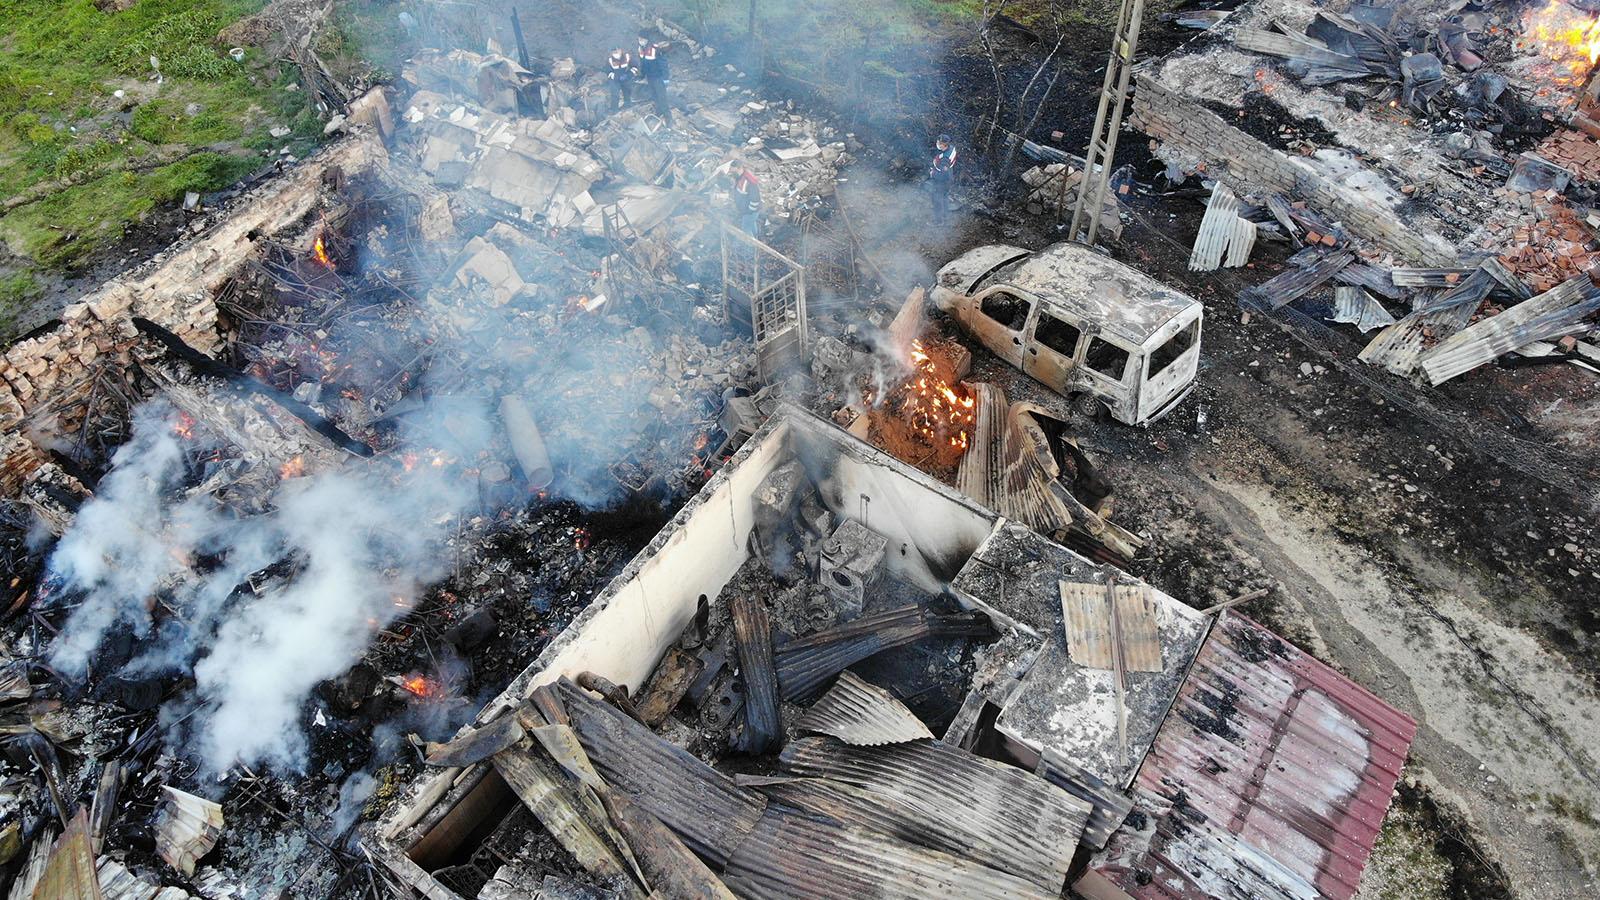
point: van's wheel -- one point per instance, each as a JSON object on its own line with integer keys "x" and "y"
{"x": 1085, "y": 409}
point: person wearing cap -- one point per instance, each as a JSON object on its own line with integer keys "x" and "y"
{"x": 941, "y": 174}
{"x": 653, "y": 66}
{"x": 619, "y": 77}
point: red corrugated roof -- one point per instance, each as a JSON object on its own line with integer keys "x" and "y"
{"x": 1270, "y": 777}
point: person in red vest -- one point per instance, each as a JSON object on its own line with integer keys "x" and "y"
{"x": 620, "y": 77}
{"x": 941, "y": 175}
{"x": 653, "y": 66}
{"x": 747, "y": 198}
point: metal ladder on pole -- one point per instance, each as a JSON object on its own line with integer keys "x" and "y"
{"x": 1107, "y": 125}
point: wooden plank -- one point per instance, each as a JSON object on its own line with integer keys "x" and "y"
{"x": 551, "y": 797}
{"x": 752, "y": 633}
{"x": 669, "y": 866}
{"x": 667, "y": 686}
{"x": 70, "y": 873}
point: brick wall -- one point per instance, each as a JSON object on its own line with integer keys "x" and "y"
{"x": 1193, "y": 135}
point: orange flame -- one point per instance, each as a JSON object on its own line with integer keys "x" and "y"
{"x": 294, "y": 468}
{"x": 938, "y": 411}
{"x": 184, "y": 426}
{"x": 1565, "y": 36}
{"x": 319, "y": 252}
{"x": 422, "y": 686}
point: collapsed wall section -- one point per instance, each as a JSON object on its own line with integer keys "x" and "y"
{"x": 46, "y": 378}
{"x": 1195, "y": 138}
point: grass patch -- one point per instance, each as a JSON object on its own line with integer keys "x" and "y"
{"x": 70, "y": 223}
{"x": 62, "y": 126}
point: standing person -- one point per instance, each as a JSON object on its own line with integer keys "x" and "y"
{"x": 653, "y": 66}
{"x": 621, "y": 76}
{"x": 746, "y": 196}
{"x": 940, "y": 176}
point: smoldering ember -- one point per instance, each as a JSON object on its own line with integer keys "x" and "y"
{"x": 1010, "y": 449}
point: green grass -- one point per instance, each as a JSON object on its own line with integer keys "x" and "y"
{"x": 63, "y": 129}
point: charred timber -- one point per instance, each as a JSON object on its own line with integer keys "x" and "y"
{"x": 243, "y": 383}
{"x": 752, "y": 632}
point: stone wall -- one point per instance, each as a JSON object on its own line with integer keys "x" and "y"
{"x": 1193, "y": 136}
{"x": 47, "y": 376}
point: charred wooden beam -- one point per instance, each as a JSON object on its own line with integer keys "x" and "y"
{"x": 478, "y": 744}
{"x": 701, "y": 805}
{"x": 669, "y": 866}
{"x": 553, "y": 798}
{"x": 243, "y": 383}
{"x": 614, "y": 694}
{"x": 752, "y": 633}
{"x": 668, "y": 686}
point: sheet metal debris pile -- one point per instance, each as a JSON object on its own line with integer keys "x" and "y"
{"x": 785, "y": 744}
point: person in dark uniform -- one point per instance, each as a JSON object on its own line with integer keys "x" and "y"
{"x": 653, "y": 66}
{"x": 940, "y": 177}
{"x": 621, "y": 77}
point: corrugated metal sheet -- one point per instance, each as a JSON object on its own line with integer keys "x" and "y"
{"x": 1270, "y": 778}
{"x": 1216, "y": 229}
{"x": 793, "y": 856}
{"x": 1427, "y": 278}
{"x": 1291, "y": 284}
{"x": 1354, "y": 306}
{"x": 1549, "y": 315}
{"x": 1008, "y": 817}
{"x": 862, "y": 714}
{"x": 118, "y": 883}
{"x": 1111, "y": 806}
{"x": 1374, "y": 279}
{"x": 69, "y": 874}
{"x": 1241, "y": 243}
{"x": 701, "y": 805}
{"x": 1397, "y": 347}
{"x": 1089, "y": 626}
{"x": 806, "y": 662}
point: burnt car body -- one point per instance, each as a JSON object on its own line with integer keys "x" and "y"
{"x": 1081, "y": 323}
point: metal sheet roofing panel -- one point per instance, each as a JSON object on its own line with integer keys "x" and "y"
{"x": 794, "y": 856}
{"x": 1270, "y": 777}
{"x": 862, "y": 714}
{"x": 1008, "y": 818}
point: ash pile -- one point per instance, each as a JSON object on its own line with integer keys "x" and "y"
{"x": 424, "y": 423}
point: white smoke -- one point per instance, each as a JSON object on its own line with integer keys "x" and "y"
{"x": 350, "y": 550}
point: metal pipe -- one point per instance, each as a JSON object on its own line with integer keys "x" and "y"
{"x": 526, "y": 442}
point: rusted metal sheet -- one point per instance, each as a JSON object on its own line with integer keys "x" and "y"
{"x": 702, "y": 806}
{"x": 1371, "y": 277}
{"x": 792, "y": 856}
{"x": 1089, "y": 626}
{"x": 186, "y": 828}
{"x": 118, "y": 883}
{"x": 1005, "y": 817}
{"x": 556, "y": 801}
{"x": 69, "y": 874}
{"x": 862, "y": 714}
{"x": 1270, "y": 778}
{"x": 1397, "y": 347}
{"x": 672, "y": 678}
{"x": 1110, "y": 806}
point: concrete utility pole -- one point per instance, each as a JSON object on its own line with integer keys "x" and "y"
{"x": 1107, "y": 124}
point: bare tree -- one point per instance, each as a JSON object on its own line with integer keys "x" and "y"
{"x": 1020, "y": 116}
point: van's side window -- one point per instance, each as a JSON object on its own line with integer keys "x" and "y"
{"x": 1106, "y": 358}
{"x": 1169, "y": 352}
{"x": 1059, "y": 336}
{"x": 1007, "y": 309}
